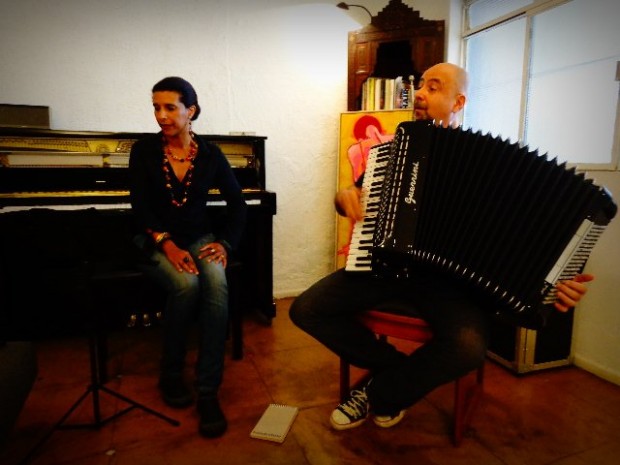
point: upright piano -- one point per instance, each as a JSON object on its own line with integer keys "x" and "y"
{"x": 64, "y": 202}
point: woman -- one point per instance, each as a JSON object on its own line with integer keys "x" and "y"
{"x": 171, "y": 174}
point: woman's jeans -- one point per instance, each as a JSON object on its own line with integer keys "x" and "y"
{"x": 192, "y": 299}
{"x": 328, "y": 309}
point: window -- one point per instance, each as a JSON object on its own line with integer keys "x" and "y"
{"x": 545, "y": 72}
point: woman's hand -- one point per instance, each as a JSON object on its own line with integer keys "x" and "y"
{"x": 180, "y": 259}
{"x": 214, "y": 252}
{"x": 570, "y": 292}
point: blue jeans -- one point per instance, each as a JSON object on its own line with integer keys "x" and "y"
{"x": 327, "y": 311}
{"x": 192, "y": 299}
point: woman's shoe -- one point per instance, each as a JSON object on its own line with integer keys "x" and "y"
{"x": 212, "y": 421}
{"x": 175, "y": 391}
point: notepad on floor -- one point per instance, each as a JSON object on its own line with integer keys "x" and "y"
{"x": 275, "y": 423}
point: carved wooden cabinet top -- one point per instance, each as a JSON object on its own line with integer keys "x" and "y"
{"x": 395, "y": 27}
{"x": 397, "y": 15}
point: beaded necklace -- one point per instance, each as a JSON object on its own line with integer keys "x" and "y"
{"x": 167, "y": 168}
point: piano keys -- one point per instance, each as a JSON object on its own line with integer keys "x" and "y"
{"x": 360, "y": 248}
{"x": 51, "y": 213}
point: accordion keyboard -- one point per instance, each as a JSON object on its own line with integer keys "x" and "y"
{"x": 360, "y": 248}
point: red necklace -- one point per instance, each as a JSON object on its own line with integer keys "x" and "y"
{"x": 193, "y": 150}
{"x": 187, "y": 179}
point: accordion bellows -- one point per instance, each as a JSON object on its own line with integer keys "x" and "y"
{"x": 506, "y": 220}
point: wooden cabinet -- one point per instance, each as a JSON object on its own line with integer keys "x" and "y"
{"x": 397, "y": 42}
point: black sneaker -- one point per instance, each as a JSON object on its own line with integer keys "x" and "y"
{"x": 387, "y": 421}
{"x": 175, "y": 392}
{"x": 212, "y": 420}
{"x": 352, "y": 412}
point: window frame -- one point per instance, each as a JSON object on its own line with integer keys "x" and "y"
{"x": 529, "y": 12}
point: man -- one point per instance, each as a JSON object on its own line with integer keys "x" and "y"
{"x": 459, "y": 321}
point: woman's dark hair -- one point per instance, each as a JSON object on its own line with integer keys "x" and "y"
{"x": 179, "y": 85}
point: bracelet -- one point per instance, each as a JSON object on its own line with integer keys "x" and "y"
{"x": 161, "y": 237}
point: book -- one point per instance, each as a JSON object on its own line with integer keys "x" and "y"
{"x": 379, "y": 85}
{"x": 275, "y": 423}
{"x": 389, "y": 95}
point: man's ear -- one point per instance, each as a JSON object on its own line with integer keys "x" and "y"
{"x": 459, "y": 103}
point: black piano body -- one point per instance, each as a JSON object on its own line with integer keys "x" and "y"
{"x": 64, "y": 205}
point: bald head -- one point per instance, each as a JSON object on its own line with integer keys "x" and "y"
{"x": 442, "y": 93}
{"x": 453, "y": 75}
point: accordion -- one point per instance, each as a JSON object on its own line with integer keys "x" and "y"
{"x": 506, "y": 220}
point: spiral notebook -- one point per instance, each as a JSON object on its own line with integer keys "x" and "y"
{"x": 275, "y": 423}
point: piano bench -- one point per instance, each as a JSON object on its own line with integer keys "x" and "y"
{"x": 126, "y": 290}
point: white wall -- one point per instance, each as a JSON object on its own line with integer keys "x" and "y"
{"x": 596, "y": 334}
{"x": 276, "y": 67}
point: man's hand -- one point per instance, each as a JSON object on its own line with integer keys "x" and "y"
{"x": 570, "y": 292}
{"x": 348, "y": 203}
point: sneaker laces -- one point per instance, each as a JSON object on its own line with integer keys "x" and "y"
{"x": 357, "y": 405}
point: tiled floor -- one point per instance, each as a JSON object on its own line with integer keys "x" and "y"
{"x": 562, "y": 417}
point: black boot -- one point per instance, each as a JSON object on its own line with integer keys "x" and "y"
{"x": 212, "y": 421}
{"x": 175, "y": 391}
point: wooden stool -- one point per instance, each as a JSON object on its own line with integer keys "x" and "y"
{"x": 386, "y": 324}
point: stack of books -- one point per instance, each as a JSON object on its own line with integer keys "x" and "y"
{"x": 387, "y": 94}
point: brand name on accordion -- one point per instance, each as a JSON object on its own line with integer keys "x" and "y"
{"x": 414, "y": 180}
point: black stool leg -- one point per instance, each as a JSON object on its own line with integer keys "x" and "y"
{"x": 233, "y": 275}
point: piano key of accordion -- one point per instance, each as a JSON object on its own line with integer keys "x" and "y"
{"x": 360, "y": 247}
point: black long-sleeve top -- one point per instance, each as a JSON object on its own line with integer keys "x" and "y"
{"x": 151, "y": 199}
